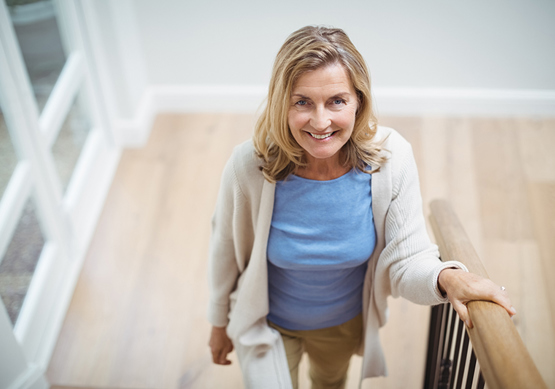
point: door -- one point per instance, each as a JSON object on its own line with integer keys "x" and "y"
{"x": 56, "y": 161}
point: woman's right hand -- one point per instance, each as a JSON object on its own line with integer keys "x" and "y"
{"x": 220, "y": 346}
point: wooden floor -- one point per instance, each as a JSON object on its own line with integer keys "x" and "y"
{"x": 138, "y": 315}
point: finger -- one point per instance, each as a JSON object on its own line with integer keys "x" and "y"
{"x": 228, "y": 350}
{"x": 218, "y": 356}
{"x": 222, "y": 357}
{"x": 215, "y": 357}
{"x": 223, "y": 360}
{"x": 462, "y": 311}
{"x": 500, "y": 296}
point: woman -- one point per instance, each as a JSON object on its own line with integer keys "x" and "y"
{"x": 317, "y": 222}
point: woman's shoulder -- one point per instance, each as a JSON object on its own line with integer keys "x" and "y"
{"x": 391, "y": 138}
{"x": 245, "y": 164}
{"x": 397, "y": 149}
{"x": 244, "y": 158}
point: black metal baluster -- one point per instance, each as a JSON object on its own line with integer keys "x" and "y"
{"x": 464, "y": 355}
{"x": 452, "y": 320}
{"x": 430, "y": 380}
{"x": 456, "y": 362}
{"x": 439, "y": 362}
{"x": 446, "y": 362}
{"x": 481, "y": 381}
{"x": 471, "y": 368}
{"x": 445, "y": 338}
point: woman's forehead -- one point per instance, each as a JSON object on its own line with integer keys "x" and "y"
{"x": 330, "y": 78}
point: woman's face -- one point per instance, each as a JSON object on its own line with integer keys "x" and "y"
{"x": 322, "y": 112}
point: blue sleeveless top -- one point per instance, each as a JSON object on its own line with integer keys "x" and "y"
{"x": 321, "y": 237}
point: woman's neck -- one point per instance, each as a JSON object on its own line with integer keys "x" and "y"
{"x": 322, "y": 169}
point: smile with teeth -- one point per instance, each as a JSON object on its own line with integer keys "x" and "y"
{"x": 323, "y": 136}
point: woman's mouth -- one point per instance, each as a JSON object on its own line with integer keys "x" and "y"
{"x": 322, "y": 136}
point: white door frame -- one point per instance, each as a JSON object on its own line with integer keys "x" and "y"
{"x": 67, "y": 219}
{"x": 15, "y": 370}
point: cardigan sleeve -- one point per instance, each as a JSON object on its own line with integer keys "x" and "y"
{"x": 223, "y": 269}
{"x": 412, "y": 259}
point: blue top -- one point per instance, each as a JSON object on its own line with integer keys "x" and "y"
{"x": 321, "y": 237}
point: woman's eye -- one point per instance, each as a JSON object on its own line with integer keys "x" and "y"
{"x": 338, "y": 101}
{"x": 301, "y": 102}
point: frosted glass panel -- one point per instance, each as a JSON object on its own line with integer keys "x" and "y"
{"x": 19, "y": 262}
{"x": 70, "y": 141}
{"x": 39, "y": 38}
{"x": 8, "y": 158}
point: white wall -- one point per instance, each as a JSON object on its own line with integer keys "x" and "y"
{"x": 447, "y": 57}
{"x": 493, "y": 44}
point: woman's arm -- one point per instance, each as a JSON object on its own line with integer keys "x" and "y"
{"x": 415, "y": 259}
{"x": 223, "y": 270}
{"x": 412, "y": 261}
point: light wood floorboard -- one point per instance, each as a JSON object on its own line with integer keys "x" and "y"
{"x": 137, "y": 318}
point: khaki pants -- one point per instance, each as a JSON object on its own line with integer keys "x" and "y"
{"x": 329, "y": 352}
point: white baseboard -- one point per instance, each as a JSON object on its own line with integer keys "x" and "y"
{"x": 388, "y": 101}
{"x": 465, "y": 102}
{"x": 134, "y": 132}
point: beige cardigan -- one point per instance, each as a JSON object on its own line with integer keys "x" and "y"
{"x": 404, "y": 263}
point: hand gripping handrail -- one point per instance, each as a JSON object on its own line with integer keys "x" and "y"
{"x": 503, "y": 357}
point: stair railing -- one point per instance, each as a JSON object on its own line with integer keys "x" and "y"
{"x": 493, "y": 342}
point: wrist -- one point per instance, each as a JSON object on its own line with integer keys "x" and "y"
{"x": 443, "y": 279}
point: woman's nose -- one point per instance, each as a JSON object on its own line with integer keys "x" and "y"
{"x": 320, "y": 119}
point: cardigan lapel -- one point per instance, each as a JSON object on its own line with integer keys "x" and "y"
{"x": 381, "y": 191}
{"x": 253, "y": 302}
{"x": 265, "y": 211}
{"x": 381, "y": 196}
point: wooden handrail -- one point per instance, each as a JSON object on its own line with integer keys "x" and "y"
{"x": 503, "y": 357}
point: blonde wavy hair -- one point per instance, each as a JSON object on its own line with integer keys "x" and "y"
{"x": 307, "y": 49}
